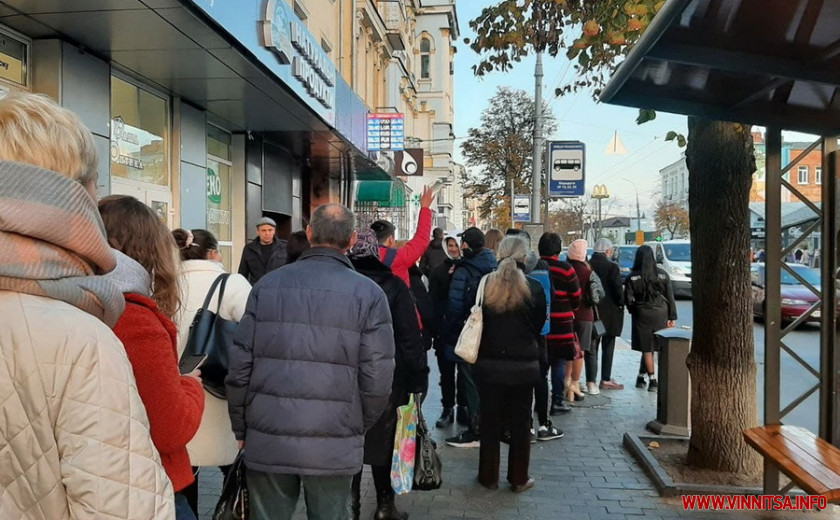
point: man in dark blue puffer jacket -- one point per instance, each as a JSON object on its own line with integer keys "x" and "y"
{"x": 310, "y": 372}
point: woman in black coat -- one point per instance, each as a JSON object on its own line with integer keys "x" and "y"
{"x": 410, "y": 375}
{"x": 508, "y": 364}
{"x": 611, "y": 314}
{"x": 650, "y": 300}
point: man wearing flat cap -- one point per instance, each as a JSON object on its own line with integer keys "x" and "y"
{"x": 264, "y": 254}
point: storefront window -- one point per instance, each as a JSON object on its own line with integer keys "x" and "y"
{"x": 139, "y": 134}
{"x": 12, "y": 60}
{"x": 218, "y": 191}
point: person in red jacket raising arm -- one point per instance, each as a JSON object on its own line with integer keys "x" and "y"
{"x": 400, "y": 260}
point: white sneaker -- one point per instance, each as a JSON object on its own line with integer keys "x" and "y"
{"x": 592, "y": 389}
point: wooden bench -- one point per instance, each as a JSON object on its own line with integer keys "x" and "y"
{"x": 810, "y": 462}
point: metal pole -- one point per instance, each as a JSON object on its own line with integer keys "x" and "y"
{"x": 772, "y": 285}
{"x": 600, "y": 223}
{"x": 536, "y": 174}
{"x": 638, "y": 211}
{"x": 512, "y": 196}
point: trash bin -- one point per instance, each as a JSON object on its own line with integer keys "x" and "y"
{"x": 673, "y": 406}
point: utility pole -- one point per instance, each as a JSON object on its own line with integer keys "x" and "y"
{"x": 512, "y": 204}
{"x": 536, "y": 169}
{"x": 638, "y": 211}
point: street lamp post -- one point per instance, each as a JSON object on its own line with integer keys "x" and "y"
{"x": 638, "y": 212}
{"x": 599, "y": 193}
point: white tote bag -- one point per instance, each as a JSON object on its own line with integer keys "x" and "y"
{"x": 470, "y": 338}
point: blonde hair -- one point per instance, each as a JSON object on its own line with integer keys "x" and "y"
{"x": 507, "y": 289}
{"x": 35, "y": 130}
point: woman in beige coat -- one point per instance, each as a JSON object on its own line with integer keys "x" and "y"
{"x": 74, "y": 439}
{"x": 214, "y": 443}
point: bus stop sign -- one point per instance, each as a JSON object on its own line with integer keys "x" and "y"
{"x": 566, "y": 166}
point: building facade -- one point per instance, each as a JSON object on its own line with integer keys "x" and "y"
{"x": 219, "y": 112}
{"x": 674, "y": 179}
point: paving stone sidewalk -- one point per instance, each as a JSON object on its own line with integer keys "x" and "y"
{"x": 587, "y": 475}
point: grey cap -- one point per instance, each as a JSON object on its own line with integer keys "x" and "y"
{"x": 265, "y": 220}
{"x": 602, "y": 245}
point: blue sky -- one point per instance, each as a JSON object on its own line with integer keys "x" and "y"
{"x": 579, "y": 118}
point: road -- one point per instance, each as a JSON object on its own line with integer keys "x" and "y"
{"x": 795, "y": 379}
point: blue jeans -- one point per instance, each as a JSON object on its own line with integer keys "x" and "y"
{"x": 558, "y": 380}
{"x": 274, "y": 496}
{"x": 183, "y": 511}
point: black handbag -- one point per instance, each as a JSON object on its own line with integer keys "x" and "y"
{"x": 427, "y": 465}
{"x": 212, "y": 336}
{"x": 233, "y": 502}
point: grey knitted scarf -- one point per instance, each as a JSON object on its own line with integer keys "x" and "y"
{"x": 52, "y": 241}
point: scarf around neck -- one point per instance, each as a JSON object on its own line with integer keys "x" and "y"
{"x": 52, "y": 241}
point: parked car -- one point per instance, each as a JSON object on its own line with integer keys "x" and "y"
{"x": 624, "y": 256}
{"x": 563, "y": 256}
{"x": 675, "y": 257}
{"x": 796, "y": 297}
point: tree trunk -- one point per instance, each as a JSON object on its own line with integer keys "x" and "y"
{"x": 722, "y": 361}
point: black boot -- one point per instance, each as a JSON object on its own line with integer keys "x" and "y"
{"x": 447, "y": 417}
{"x": 386, "y": 509}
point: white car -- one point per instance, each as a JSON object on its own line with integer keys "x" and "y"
{"x": 675, "y": 257}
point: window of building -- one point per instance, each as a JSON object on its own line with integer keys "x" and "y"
{"x": 802, "y": 175}
{"x": 219, "y": 191}
{"x": 13, "y": 60}
{"x": 301, "y": 12}
{"x": 425, "y": 58}
{"x": 139, "y": 134}
{"x": 326, "y": 46}
{"x": 818, "y": 175}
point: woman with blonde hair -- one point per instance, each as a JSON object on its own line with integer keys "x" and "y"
{"x": 70, "y": 401}
{"x": 508, "y": 364}
{"x": 147, "y": 275}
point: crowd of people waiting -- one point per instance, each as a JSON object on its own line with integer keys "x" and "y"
{"x": 97, "y": 298}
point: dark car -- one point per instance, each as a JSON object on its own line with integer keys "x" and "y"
{"x": 624, "y": 257}
{"x": 797, "y": 298}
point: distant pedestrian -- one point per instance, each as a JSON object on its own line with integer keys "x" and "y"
{"x": 508, "y": 365}
{"x": 297, "y": 244}
{"x": 805, "y": 259}
{"x": 650, "y": 300}
{"x": 439, "y": 281}
{"x": 477, "y": 262}
{"x": 611, "y": 314}
{"x": 493, "y": 237}
{"x": 410, "y": 376}
{"x": 310, "y": 373}
{"x": 434, "y": 255}
{"x": 264, "y": 254}
{"x": 400, "y": 259}
{"x": 584, "y": 319}
{"x": 147, "y": 274}
{"x": 561, "y": 337}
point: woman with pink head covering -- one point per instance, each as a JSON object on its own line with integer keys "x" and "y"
{"x": 584, "y": 318}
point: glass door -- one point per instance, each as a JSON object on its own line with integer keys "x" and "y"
{"x": 218, "y": 191}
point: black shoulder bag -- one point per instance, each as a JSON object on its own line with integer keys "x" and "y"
{"x": 212, "y": 336}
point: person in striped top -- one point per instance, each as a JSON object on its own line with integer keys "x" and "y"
{"x": 566, "y": 298}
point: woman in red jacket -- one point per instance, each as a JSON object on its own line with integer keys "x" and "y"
{"x": 174, "y": 403}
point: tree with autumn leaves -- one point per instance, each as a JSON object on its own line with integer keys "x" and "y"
{"x": 596, "y": 35}
{"x": 671, "y": 217}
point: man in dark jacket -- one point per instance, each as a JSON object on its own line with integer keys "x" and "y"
{"x": 434, "y": 255}
{"x": 477, "y": 261}
{"x": 311, "y": 371}
{"x": 264, "y": 254}
{"x": 610, "y": 311}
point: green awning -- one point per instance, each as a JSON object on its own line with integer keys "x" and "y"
{"x": 385, "y": 193}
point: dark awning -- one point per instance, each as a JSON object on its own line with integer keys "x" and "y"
{"x": 771, "y": 63}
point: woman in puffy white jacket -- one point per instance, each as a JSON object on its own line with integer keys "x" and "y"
{"x": 214, "y": 443}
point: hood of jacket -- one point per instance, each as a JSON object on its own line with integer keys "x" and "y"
{"x": 371, "y": 267}
{"x": 446, "y": 249}
{"x": 129, "y": 276}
